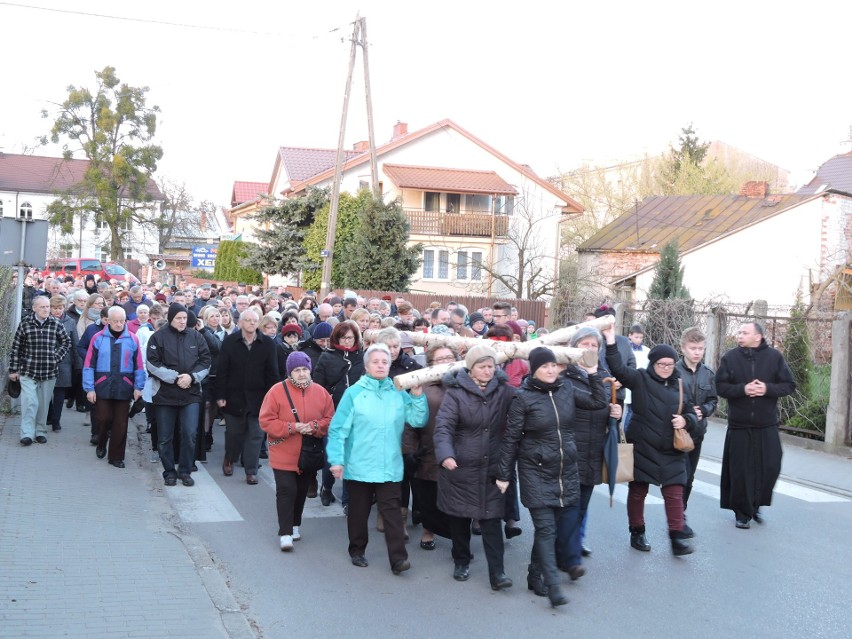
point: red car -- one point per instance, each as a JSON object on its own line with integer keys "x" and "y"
{"x": 120, "y": 274}
{"x": 77, "y": 267}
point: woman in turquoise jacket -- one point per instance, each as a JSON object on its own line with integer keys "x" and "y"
{"x": 365, "y": 450}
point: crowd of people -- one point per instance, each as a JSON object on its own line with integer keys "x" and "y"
{"x": 308, "y": 385}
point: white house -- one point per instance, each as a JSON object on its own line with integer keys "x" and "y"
{"x": 732, "y": 247}
{"x": 29, "y": 184}
{"x": 473, "y": 208}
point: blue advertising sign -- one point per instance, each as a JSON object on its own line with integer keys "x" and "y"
{"x": 204, "y": 256}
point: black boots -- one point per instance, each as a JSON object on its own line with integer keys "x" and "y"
{"x": 556, "y": 596}
{"x": 638, "y": 539}
{"x": 679, "y": 544}
{"x": 499, "y": 580}
{"x": 535, "y": 582}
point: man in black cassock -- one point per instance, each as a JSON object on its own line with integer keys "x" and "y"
{"x": 752, "y": 377}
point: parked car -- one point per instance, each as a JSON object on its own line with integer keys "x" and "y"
{"x": 77, "y": 267}
{"x": 120, "y": 274}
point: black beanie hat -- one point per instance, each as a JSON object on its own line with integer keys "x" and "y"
{"x": 174, "y": 309}
{"x": 539, "y": 356}
{"x": 661, "y": 351}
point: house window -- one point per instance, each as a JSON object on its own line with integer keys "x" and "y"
{"x": 461, "y": 266}
{"x": 124, "y": 224}
{"x": 476, "y": 266}
{"x": 428, "y": 263}
{"x": 100, "y": 223}
{"x": 103, "y": 253}
{"x": 469, "y": 265}
{"x": 26, "y": 211}
{"x": 479, "y": 203}
{"x": 453, "y": 203}
{"x": 431, "y": 201}
{"x": 504, "y": 205}
{"x": 436, "y": 264}
{"x": 66, "y": 251}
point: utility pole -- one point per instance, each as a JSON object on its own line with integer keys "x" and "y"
{"x": 359, "y": 38}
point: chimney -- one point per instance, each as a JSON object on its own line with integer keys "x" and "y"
{"x": 399, "y": 129}
{"x": 361, "y": 146}
{"x": 754, "y": 188}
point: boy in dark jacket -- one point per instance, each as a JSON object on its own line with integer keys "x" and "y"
{"x": 700, "y": 388}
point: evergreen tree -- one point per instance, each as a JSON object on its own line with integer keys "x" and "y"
{"x": 379, "y": 258}
{"x": 797, "y": 352}
{"x": 279, "y": 248}
{"x": 669, "y": 309}
{"x": 668, "y": 275}
{"x": 230, "y": 267}
{"x": 315, "y": 237}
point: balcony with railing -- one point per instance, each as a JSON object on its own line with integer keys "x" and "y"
{"x": 460, "y": 224}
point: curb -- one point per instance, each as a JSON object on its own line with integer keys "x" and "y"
{"x": 235, "y": 622}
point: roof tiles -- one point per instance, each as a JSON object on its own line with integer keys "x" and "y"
{"x": 691, "y": 220}
{"x": 835, "y": 174}
{"x": 248, "y": 191}
{"x": 447, "y": 180}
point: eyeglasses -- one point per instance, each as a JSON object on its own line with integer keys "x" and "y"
{"x": 347, "y": 337}
{"x": 444, "y": 360}
{"x": 664, "y": 365}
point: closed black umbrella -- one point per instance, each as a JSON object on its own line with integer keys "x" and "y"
{"x": 611, "y": 446}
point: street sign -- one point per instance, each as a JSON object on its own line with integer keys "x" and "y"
{"x": 35, "y": 250}
{"x": 204, "y": 257}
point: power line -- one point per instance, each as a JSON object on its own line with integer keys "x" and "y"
{"x": 183, "y": 25}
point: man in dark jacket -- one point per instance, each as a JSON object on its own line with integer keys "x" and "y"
{"x": 624, "y": 349}
{"x": 248, "y": 368}
{"x": 700, "y": 388}
{"x": 179, "y": 360}
{"x": 317, "y": 342}
{"x": 752, "y": 377}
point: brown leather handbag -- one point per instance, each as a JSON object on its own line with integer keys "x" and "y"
{"x": 682, "y": 439}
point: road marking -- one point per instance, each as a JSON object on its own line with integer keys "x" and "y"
{"x": 203, "y": 503}
{"x": 782, "y": 487}
{"x": 313, "y": 507}
{"x": 620, "y": 494}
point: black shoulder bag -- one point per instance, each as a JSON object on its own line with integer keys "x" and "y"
{"x": 312, "y": 457}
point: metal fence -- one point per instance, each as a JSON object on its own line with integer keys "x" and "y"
{"x": 804, "y": 412}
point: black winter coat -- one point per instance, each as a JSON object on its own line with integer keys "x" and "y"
{"x": 540, "y": 437}
{"x": 245, "y": 375}
{"x": 741, "y": 366}
{"x": 72, "y": 360}
{"x": 590, "y": 427}
{"x": 655, "y": 401}
{"x": 172, "y": 353}
{"x": 469, "y": 428}
{"x": 313, "y": 350}
{"x": 337, "y": 370}
{"x": 214, "y": 344}
{"x": 700, "y": 388}
{"x": 403, "y": 364}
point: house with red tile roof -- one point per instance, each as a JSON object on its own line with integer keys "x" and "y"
{"x": 737, "y": 248}
{"x": 29, "y": 183}
{"x": 467, "y": 203}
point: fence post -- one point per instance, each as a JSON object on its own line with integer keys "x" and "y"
{"x": 838, "y": 414}
{"x": 711, "y": 351}
{"x": 620, "y": 310}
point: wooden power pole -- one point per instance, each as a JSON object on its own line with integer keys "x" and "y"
{"x": 359, "y": 38}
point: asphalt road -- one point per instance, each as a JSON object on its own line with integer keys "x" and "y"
{"x": 789, "y": 577}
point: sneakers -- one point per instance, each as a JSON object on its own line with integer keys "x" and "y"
{"x": 297, "y": 534}
{"x": 155, "y": 457}
{"x": 171, "y": 480}
{"x": 286, "y": 543}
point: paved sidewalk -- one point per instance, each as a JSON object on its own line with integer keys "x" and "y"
{"x": 89, "y": 550}
{"x": 831, "y": 472}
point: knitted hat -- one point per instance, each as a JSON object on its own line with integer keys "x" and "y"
{"x": 540, "y": 356}
{"x": 475, "y": 317}
{"x": 661, "y": 351}
{"x": 516, "y": 328}
{"x": 322, "y": 330}
{"x": 159, "y": 297}
{"x": 335, "y": 300}
{"x": 298, "y": 359}
{"x": 291, "y": 328}
{"x": 478, "y": 352}
{"x": 174, "y": 309}
{"x": 405, "y": 340}
{"x": 440, "y": 329}
{"x": 191, "y": 319}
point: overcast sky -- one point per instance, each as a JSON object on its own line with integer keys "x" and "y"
{"x": 550, "y": 84}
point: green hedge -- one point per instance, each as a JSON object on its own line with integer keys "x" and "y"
{"x": 229, "y": 264}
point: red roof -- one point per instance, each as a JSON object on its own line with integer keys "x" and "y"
{"x": 448, "y": 180}
{"x": 303, "y": 163}
{"x": 39, "y": 174}
{"x": 248, "y": 191}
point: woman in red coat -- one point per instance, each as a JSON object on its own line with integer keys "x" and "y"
{"x": 314, "y": 410}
